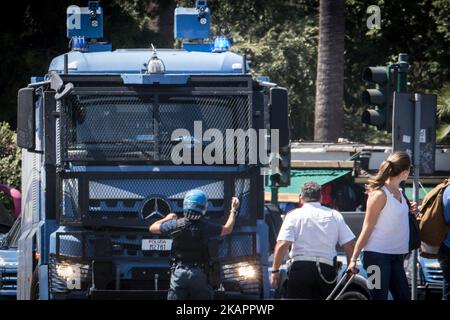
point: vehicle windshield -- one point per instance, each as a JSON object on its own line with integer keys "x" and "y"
{"x": 143, "y": 126}
{"x": 6, "y": 218}
{"x": 11, "y": 238}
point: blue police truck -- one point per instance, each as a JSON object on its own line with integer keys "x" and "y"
{"x": 100, "y": 164}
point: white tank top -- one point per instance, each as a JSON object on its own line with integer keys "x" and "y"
{"x": 391, "y": 232}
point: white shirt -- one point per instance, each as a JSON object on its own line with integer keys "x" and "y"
{"x": 314, "y": 231}
{"x": 391, "y": 232}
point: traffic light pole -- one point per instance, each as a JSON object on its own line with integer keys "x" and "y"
{"x": 403, "y": 67}
{"x": 416, "y": 157}
{"x": 274, "y": 193}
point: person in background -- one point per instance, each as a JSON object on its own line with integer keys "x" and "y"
{"x": 444, "y": 250}
{"x": 312, "y": 232}
{"x": 385, "y": 233}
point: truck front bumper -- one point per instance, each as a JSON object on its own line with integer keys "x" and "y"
{"x": 96, "y": 294}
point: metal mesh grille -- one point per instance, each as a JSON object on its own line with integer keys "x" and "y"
{"x": 214, "y": 112}
{"x": 70, "y": 245}
{"x": 109, "y": 199}
{"x": 70, "y": 209}
{"x": 238, "y": 245}
{"x": 103, "y": 128}
{"x": 242, "y": 191}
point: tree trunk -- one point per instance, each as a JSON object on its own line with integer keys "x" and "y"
{"x": 328, "y": 124}
{"x": 161, "y": 13}
{"x": 165, "y": 23}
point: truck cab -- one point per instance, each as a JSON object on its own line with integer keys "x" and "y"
{"x": 112, "y": 140}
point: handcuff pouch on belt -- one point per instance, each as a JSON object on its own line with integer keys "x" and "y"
{"x": 291, "y": 261}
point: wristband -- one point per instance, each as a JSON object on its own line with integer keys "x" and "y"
{"x": 275, "y": 271}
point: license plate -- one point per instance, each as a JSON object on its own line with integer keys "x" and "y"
{"x": 157, "y": 244}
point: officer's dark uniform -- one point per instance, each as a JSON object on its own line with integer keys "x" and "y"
{"x": 190, "y": 257}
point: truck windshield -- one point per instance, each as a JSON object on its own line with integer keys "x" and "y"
{"x": 143, "y": 127}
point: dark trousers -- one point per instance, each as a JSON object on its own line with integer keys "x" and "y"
{"x": 391, "y": 277}
{"x": 444, "y": 261}
{"x": 189, "y": 283}
{"x": 305, "y": 281}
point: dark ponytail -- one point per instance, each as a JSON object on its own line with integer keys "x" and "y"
{"x": 395, "y": 164}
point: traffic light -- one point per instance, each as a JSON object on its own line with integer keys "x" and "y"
{"x": 389, "y": 79}
{"x": 281, "y": 176}
{"x": 279, "y": 120}
{"x": 380, "y": 97}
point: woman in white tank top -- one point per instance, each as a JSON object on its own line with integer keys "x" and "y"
{"x": 384, "y": 237}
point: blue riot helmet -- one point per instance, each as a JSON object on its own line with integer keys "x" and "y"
{"x": 195, "y": 204}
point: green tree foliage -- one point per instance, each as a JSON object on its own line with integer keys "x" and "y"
{"x": 281, "y": 37}
{"x": 34, "y": 32}
{"x": 443, "y": 106}
{"x": 418, "y": 28}
{"x": 289, "y": 59}
{"x": 9, "y": 157}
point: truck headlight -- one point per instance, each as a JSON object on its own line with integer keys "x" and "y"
{"x": 241, "y": 270}
{"x": 247, "y": 272}
{"x": 66, "y": 270}
{"x": 242, "y": 276}
{"x": 71, "y": 274}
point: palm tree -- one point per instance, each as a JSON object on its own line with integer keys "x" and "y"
{"x": 443, "y": 110}
{"x": 328, "y": 124}
{"x": 160, "y": 19}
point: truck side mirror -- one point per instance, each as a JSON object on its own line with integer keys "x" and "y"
{"x": 279, "y": 114}
{"x": 26, "y": 125}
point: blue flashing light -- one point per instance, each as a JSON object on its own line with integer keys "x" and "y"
{"x": 221, "y": 44}
{"x": 79, "y": 43}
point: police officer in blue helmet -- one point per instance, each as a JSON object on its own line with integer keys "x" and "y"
{"x": 190, "y": 254}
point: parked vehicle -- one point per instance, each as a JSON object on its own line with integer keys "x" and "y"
{"x": 9, "y": 235}
{"x": 9, "y": 262}
{"x": 9, "y": 215}
{"x": 429, "y": 278}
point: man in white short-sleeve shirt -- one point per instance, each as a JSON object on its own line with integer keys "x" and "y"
{"x": 312, "y": 232}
